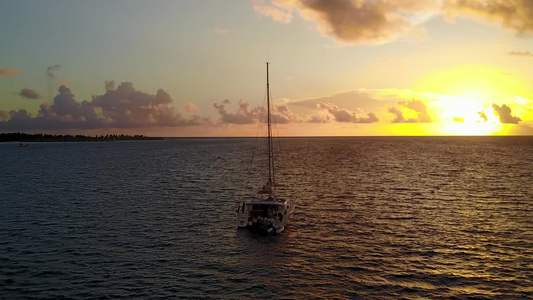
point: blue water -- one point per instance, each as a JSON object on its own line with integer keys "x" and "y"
{"x": 376, "y": 218}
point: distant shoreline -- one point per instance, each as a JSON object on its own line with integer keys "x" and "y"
{"x": 41, "y": 137}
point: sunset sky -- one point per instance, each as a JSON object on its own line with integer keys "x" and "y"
{"x": 197, "y": 68}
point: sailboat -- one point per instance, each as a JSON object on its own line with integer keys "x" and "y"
{"x": 266, "y": 211}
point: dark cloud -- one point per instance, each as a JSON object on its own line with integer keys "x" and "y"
{"x": 345, "y": 116}
{"x": 66, "y": 108}
{"x": 4, "y": 115}
{"x": 423, "y": 115}
{"x": 364, "y": 21}
{"x": 347, "y": 21}
{"x": 376, "y": 21}
{"x": 483, "y": 116}
{"x": 20, "y": 114}
{"x": 520, "y": 53}
{"x": 123, "y": 107}
{"x": 504, "y": 112}
{"x": 50, "y": 70}
{"x": 126, "y": 107}
{"x": 516, "y": 15}
{"x": 30, "y": 94}
{"x": 9, "y": 72}
{"x": 109, "y": 85}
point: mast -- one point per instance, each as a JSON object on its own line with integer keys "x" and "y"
{"x": 270, "y": 148}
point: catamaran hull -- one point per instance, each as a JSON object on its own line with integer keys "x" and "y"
{"x": 264, "y": 217}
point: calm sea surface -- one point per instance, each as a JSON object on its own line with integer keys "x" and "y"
{"x": 376, "y": 218}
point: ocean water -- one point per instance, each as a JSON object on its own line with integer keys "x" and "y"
{"x": 376, "y": 218}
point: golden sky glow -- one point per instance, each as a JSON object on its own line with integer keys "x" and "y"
{"x": 429, "y": 67}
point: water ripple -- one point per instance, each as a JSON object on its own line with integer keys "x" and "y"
{"x": 377, "y": 218}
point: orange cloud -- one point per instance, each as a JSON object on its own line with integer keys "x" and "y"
{"x": 9, "y": 72}
{"x": 280, "y": 11}
{"x": 190, "y": 107}
{"x": 63, "y": 82}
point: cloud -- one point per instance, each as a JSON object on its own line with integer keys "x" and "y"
{"x": 344, "y": 115}
{"x": 221, "y": 31}
{"x": 243, "y": 115}
{"x": 50, "y": 70}
{"x": 415, "y": 107}
{"x": 127, "y": 108}
{"x": 283, "y": 115}
{"x": 418, "y": 106}
{"x": 340, "y": 115}
{"x": 483, "y": 116}
{"x": 50, "y": 77}
{"x": 62, "y": 82}
{"x": 4, "y": 115}
{"x": 458, "y": 119}
{"x": 20, "y": 114}
{"x": 356, "y": 101}
{"x": 66, "y": 108}
{"x": 504, "y": 112}
{"x": 9, "y": 72}
{"x": 280, "y": 11}
{"x": 522, "y": 100}
{"x": 324, "y": 118}
{"x": 353, "y": 21}
{"x": 516, "y": 15}
{"x": 190, "y": 107}
{"x": 109, "y": 85}
{"x": 123, "y": 107}
{"x": 520, "y": 53}
{"x": 30, "y": 94}
{"x": 379, "y": 21}
{"x": 398, "y": 116}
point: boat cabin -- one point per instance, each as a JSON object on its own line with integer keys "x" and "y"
{"x": 262, "y": 213}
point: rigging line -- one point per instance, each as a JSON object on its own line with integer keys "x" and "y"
{"x": 255, "y": 144}
{"x": 278, "y": 138}
{"x": 270, "y": 159}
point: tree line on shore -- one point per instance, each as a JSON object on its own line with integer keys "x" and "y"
{"x": 43, "y": 137}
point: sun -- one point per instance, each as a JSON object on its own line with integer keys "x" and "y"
{"x": 466, "y": 95}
